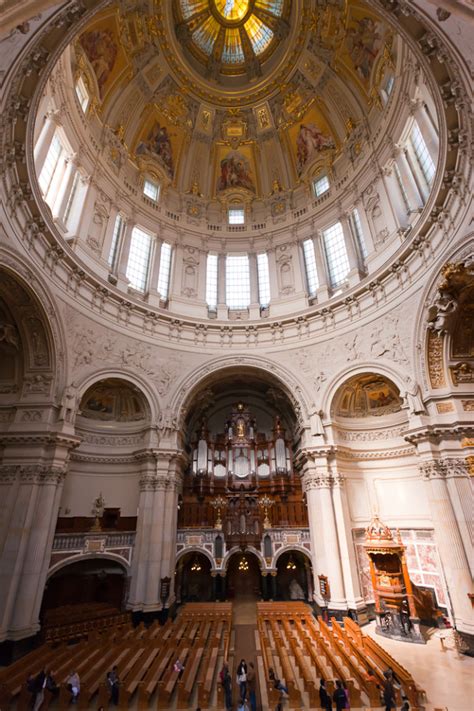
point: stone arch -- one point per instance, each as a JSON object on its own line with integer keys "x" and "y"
{"x": 88, "y": 556}
{"x": 196, "y": 549}
{"x": 39, "y": 327}
{"x": 287, "y": 549}
{"x": 198, "y": 379}
{"x": 434, "y": 348}
{"x": 128, "y": 377}
{"x": 377, "y": 368}
{"x": 249, "y": 549}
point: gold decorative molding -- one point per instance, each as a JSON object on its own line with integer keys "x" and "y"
{"x": 436, "y": 361}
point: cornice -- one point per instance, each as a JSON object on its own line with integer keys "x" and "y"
{"x": 32, "y": 225}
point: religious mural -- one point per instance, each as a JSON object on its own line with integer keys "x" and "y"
{"x": 367, "y": 395}
{"x": 363, "y": 41}
{"x": 310, "y": 141}
{"x": 158, "y": 145}
{"x": 101, "y": 51}
{"x": 235, "y": 172}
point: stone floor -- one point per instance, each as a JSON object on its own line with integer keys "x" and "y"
{"x": 446, "y": 676}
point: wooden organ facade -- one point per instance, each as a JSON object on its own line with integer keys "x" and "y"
{"x": 241, "y": 481}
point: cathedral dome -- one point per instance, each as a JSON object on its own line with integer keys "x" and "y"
{"x": 242, "y": 159}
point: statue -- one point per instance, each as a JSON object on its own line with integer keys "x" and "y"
{"x": 317, "y": 428}
{"x": 296, "y": 591}
{"x": 440, "y": 311}
{"x": 68, "y": 404}
{"x": 9, "y": 334}
{"x": 412, "y": 397}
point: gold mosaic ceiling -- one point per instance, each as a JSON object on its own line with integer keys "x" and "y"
{"x": 231, "y": 37}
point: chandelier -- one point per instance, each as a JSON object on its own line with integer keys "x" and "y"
{"x": 291, "y": 565}
{"x": 196, "y": 566}
{"x": 243, "y": 565}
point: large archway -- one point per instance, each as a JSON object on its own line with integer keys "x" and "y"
{"x": 294, "y": 576}
{"x": 193, "y": 578}
{"x": 84, "y": 584}
{"x": 244, "y": 577}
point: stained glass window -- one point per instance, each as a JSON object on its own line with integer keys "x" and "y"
{"x": 259, "y": 34}
{"x": 218, "y": 28}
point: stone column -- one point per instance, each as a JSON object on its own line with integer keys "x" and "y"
{"x": 350, "y": 574}
{"x": 170, "y": 522}
{"x": 124, "y": 252}
{"x": 366, "y": 229}
{"x": 415, "y": 199}
{"x": 322, "y": 292}
{"x": 33, "y": 497}
{"x": 109, "y": 233}
{"x": 222, "y": 311}
{"x": 138, "y": 588}
{"x": 437, "y": 473}
{"x": 355, "y": 272}
{"x": 29, "y": 594}
{"x": 254, "y": 307}
{"x": 325, "y": 551}
{"x": 52, "y": 121}
{"x": 155, "y": 269}
{"x": 272, "y": 268}
{"x": 64, "y": 191}
{"x": 428, "y": 131}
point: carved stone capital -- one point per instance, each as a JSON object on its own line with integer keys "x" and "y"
{"x": 444, "y": 468}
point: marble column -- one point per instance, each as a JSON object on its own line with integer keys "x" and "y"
{"x": 33, "y": 496}
{"x": 124, "y": 252}
{"x": 427, "y": 130}
{"x": 222, "y": 311}
{"x": 52, "y": 121}
{"x": 155, "y": 268}
{"x": 170, "y": 520}
{"x": 64, "y": 192}
{"x": 109, "y": 233}
{"x": 350, "y": 574}
{"x": 325, "y": 551}
{"x": 415, "y": 199}
{"x": 437, "y": 473}
{"x": 322, "y": 292}
{"x": 355, "y": 272}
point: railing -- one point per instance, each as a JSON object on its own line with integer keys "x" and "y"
{"x": 77, "y": 541}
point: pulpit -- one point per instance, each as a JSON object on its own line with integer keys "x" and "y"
{"x": 393, "y": 592}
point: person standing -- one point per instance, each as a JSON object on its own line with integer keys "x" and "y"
{"x": 324, "y": 696}
{"x": 74, "y": 686}
{"x": 346, "y": 691}
{"x": 339, "y": 696}
{"x": 389, "y": 694}
{"x": 226, "y": 681}
{"x": 113, "y": 683}
{"x": 242, "y": 678}
{"x": 252, "y": 687}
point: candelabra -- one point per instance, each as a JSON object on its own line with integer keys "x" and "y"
{"x": 265, "y": 502}
{"x": 218, "y": 503}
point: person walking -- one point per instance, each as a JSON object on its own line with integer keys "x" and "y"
{"x": 252, "y": 687}
{"x": 242, "y": 678}
{"x": 324, "y": 696}
{"x": 226, "y": 681}
{"x": 339, "y": 696}
{"x": 277, "y": 684}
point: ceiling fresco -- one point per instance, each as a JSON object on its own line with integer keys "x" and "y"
{"x": 163, "y": 81}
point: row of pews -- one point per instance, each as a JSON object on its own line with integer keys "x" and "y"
{"x": 302, "y": 650}
{"x": 145, "y": 658}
